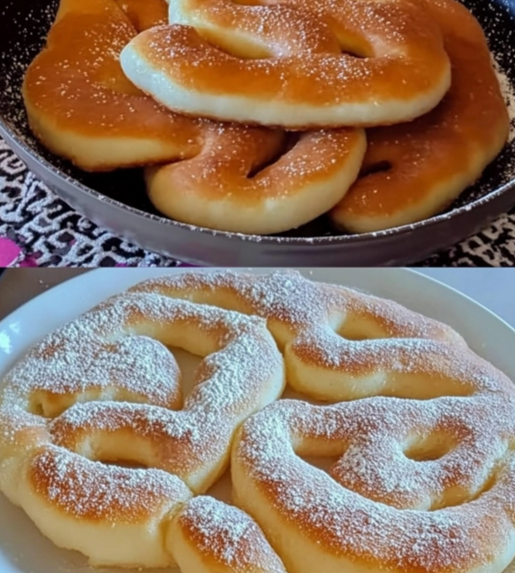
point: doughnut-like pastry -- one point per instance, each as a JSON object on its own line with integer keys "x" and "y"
{"x": 288, "y": 63}
{"x": 230, "y": 192}
{"x": 358, "y": 338}
{"x": 104, "y": 389}
{"x": 419, "y": 486}
{"x": 415, "y": 170}
{"x": 228, "y": 177}
{"x": 422, "y": 429}
{"x": 210, "y": 536}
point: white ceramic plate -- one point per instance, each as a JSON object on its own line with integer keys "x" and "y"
{"x": 24, "y": 550}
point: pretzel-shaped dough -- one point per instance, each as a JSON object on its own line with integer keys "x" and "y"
{"x": 217, "y": 189}
{"x": 463, "y": 521}
{"x": 424, "y": 433}
{"x": 430, "y": 161}
{"x": 104, "y": 388}
{"x": 317, "y": 324}
{"x": 228, "y": 177}
{"x": 282, "y": 63}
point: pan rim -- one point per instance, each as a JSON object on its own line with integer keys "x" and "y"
{"x": 16, "y": 142}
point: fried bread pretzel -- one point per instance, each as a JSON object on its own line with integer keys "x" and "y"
{"x": 222, "y": 176}
{"x": 105, "y": 389}
{"x": 315, "y": 323}
{"x": 415, "y": 170}
{"x": 284, "y": 64}
{"x": 422, "y": 429}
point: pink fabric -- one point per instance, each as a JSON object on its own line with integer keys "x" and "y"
{"x": 9, "y": 253}
{"x": 13, "y": 255}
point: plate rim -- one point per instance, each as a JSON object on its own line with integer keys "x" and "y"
{"x": 415, "y": 280}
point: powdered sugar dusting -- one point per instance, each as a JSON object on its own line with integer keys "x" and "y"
{"x": 90, "y": 490}
{"x": 113, "y": 349}
{"x": 349, "y": 521}
{"x": 369, "y": 342}
{"x": 115, "y": 360}
{"x": 295, "y": 46}
{"x": 287, "y": 297}
{"x": 440, "y": 364}
{"x": 470, "y": 405}
{"x": 227, "y": 534}
{"x": 397, "y": 507}
{"x": 508, "y": 92}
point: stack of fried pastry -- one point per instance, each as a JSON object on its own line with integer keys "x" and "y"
{"x": 422, "y": 431}
{"x": 251, "y": 117}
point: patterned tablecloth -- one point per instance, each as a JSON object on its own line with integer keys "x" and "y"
{"x": 38, "y": 229}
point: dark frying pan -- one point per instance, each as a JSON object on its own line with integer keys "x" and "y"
{"x": 118, "y": 201}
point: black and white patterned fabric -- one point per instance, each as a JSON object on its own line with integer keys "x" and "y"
{"x": 38, "y": 229}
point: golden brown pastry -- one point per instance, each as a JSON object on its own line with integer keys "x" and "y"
{"x": 415, "y": 170}
{"x": 421, "y": 429}
{"x": 105, "y": 389}
{"x": 209, "y": 536}
{"x": 230, "y": 177}
{"x": 285, "y": 63}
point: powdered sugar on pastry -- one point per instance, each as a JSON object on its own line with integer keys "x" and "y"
{"x": 421, "y": 428}
{"x": 104, "y": 388}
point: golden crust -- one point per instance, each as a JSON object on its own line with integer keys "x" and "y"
{"x": 422, "y": 432}
{"x": 442, "y": 452}
{"x": 108, "y": 370}
{"x": 238, "y": 178}
{"x": 93, "y": 492}
{"x": 76, "y": 93}
{"x": 291, "y": 303}
{"x": 210, "y": 536}
{"x": 404, "y": 73}
{"x": 463, "y": 522}
{"x": 82, "y": 107}
{"x": 225, "y": 192}
{"x": 430, "y": 161}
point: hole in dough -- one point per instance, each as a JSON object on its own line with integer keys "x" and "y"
{"x": 36, "y": 408}
{"x": 125, "y": 464}
{"x": 290, "y": 141}
{"x": 358, "y": 327}
{"x": 188, "y": 364}
{"x": 429, "y": 448}
{"x": 379, "y": 167}
{"x": 324, "y": 463}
